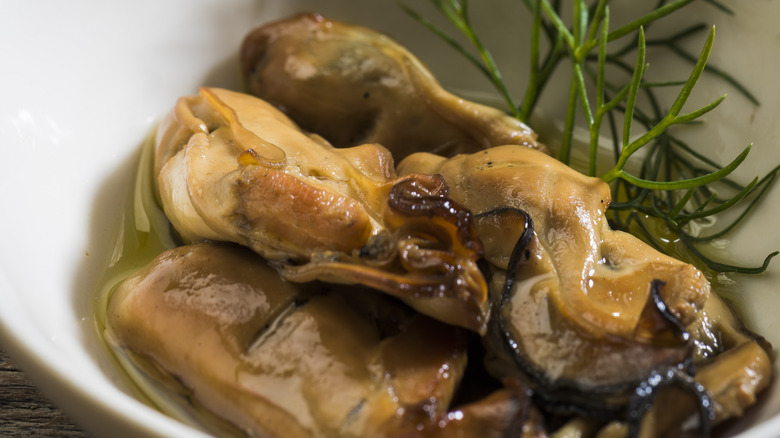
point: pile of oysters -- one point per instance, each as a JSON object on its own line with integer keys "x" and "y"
{"x": 364, "y": 254}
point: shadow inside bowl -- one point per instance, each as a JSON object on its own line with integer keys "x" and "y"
{"x": 111, "y": 211}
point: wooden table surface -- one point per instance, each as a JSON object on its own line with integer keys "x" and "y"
{"x": 25, "y": 411}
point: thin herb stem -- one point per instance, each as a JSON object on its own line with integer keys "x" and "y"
{"x": 671, "y": 183}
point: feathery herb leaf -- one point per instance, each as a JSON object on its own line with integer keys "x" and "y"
{"x": 675, "y": 185}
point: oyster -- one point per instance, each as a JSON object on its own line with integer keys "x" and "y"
{"x": 584, "y": 312}
{"x": 230, "y": 167}
{"x": 353, "y": 85}
{"x": 275, "y": 358}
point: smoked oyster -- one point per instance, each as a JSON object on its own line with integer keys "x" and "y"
{"x": 231, "y": 167}
{"x": 583, "y": 312}
{"x": 281, "y": 359}
{"x": 353, "y": 85}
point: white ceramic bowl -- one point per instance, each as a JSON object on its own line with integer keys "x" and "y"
{"x": 84, "y": 82}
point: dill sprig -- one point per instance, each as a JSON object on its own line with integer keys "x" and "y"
{"x": 674, "y": 189}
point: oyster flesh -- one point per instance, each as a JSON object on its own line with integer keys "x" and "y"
{"x": 584, "y": 312}
{"x": 230, "y": 167}
{"x": 274, "y": 358}
{"x": 353, "y": 85}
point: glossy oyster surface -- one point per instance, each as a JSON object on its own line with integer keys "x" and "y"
{"x": 353, "y": 85}
{"x": 276, "y": 358}
{"x": 231, "y": 167}
{"x": 589, "y": 312}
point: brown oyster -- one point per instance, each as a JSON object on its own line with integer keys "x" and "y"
{"x": 275, "y": 358}
{"x": 230, "y": 167}
{"x": 353, "y": 85}
{"x": 590, "y": 311}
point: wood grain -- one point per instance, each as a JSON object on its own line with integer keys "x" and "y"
{"x": 25, "y": 411}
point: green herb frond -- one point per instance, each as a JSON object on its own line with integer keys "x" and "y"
{"x": 674, "y": 187}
